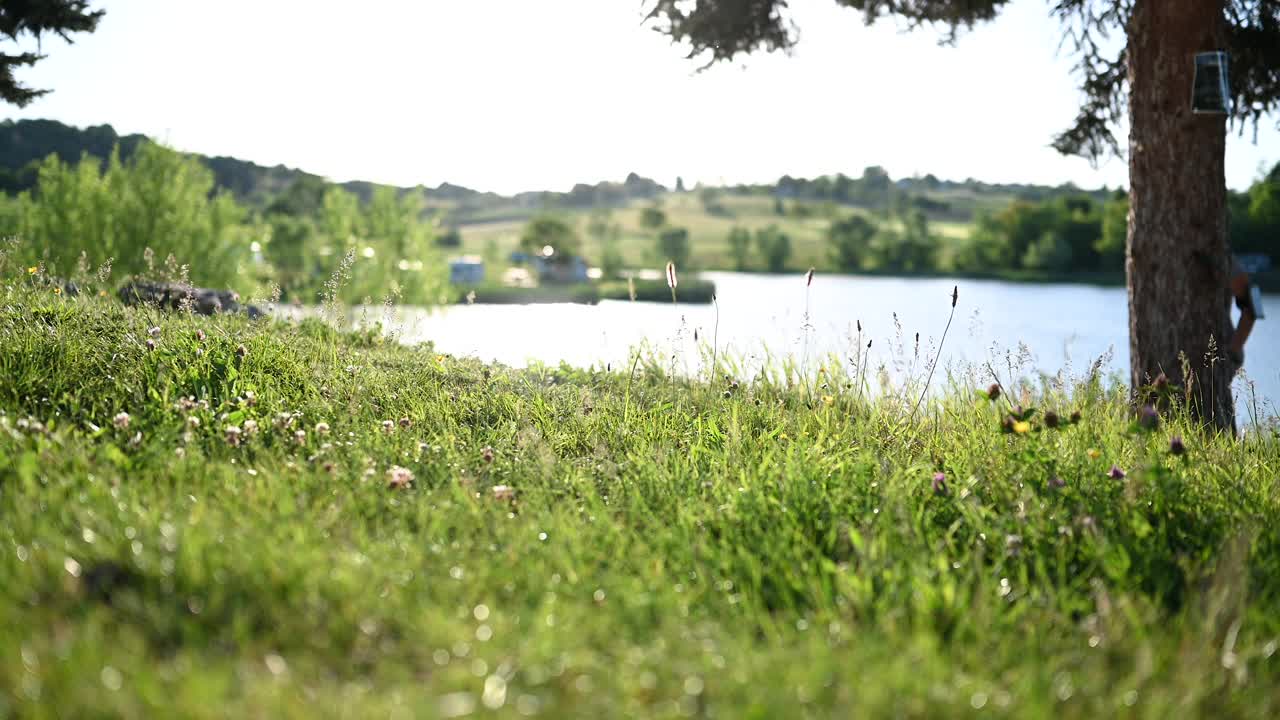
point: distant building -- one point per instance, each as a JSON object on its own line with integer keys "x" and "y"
{"x": 555, "y": 269}
{"x": 466, "y": 270}
{"x": 561, "y": 270}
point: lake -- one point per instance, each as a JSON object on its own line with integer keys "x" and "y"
{"x": 1033, "y": 328}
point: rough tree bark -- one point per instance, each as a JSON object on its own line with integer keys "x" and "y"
{"x": 1176, "y": 257}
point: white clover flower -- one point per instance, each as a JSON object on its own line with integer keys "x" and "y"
{"x": 399, "y": 477}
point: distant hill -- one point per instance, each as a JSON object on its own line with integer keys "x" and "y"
{"x": 25, "y": 143}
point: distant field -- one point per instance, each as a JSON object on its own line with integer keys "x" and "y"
{"x": 708, "y": 232}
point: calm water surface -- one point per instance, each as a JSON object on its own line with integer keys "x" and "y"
{"x": 1037, "y": 328}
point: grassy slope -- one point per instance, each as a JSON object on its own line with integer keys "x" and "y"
{"x": 708, "y": 234}
{"x": 672, "y": 548}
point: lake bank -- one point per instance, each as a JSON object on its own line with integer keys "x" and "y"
{"x": 262, "y": 516}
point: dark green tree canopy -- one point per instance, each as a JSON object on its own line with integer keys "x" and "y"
{"x": 37, "y": 18}
{"x": 720, "y": 30}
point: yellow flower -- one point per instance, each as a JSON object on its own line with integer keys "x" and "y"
{"x": 1093, "y": 454}
{"x": 1022, "y": 427}
{"x": 102, "y": 293}
{"x": 57, "y": 291}
{"x": 828, "y": 400}
{"x": 32, "y": 270}
{"x": 440, "y": 359}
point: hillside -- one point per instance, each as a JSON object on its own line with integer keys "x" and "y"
{"x": 24, "y": 143}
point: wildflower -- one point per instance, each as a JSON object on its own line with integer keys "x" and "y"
{"x": 154, "y": 332}
{"x": 136, "y": 440}
{"x": 405, "y": 422}
{"x": 193, "y": 422}
{"x": 121, "y": 420}
{"x": 503, "y": 492}
{"x": 1051, "y": 419}
{"x": 250, "y": 398}
{"x": 200, "y": 336}
{"x": 388, "y": 427}
{"x": 232, "y": 435}
{"x": 1148, "y": 418}
{"x": 1057, "y": 483}
{"x": 1022, "y": 427}
{"x": 151, "y": 344}
{"x": 1093, "y": 454}
{"x": 241, "y": 350}
{"x": 1115, "y": 473}
{"x": 487, "y": 455}
{"x": 284, "y": 420}
{"x": 828, "y": 400}
{"x": 300, "y": 437}
{"x": 186, "y": 404}
{"x": 180, "y": 452}
{"x": 399, "y": 477}
{"x": 1176, "y": 447}
{"x": 1013, "y": 544}
{"x": 671, "y": 275}
{"x": 32, "y": 270}
{"x": 57, "y": 291}
{"x": 939, "y": 483}
{"x": 322, "y": 428}
{"x": 993, "y": 392}
{"x": 351, "y": 369}
{"x": 251, "y": 427}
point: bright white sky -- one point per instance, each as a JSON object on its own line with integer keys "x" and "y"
{"x": 511, "y": 95}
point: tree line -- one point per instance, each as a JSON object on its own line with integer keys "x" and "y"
{"x": 159, "y": 214}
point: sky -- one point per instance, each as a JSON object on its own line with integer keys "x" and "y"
{"x": 515, "y": 95}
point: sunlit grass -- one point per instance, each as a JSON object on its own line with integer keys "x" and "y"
{"x": 393, "y": 531}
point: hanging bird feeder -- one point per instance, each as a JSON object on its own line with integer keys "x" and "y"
{"x": 1210, "y": 93}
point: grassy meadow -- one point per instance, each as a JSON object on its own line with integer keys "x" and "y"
{"x": 212, "y": 517}
{"x": 708, "y": 232}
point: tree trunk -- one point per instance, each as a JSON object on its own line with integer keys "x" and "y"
{"x": 1176, "y": 257}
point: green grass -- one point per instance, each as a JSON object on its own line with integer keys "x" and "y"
{"x": 708, "y": 233}
{"x": 672, "y": 548}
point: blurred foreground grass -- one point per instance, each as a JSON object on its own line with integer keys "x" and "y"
{"x": 276, "y": 520}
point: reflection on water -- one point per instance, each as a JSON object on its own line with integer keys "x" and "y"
{"x": 1042, "y": 328}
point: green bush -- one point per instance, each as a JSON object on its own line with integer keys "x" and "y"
{"x": 158, "y": 204}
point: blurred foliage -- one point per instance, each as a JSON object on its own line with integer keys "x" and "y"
{"x": 158, "y": 214}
